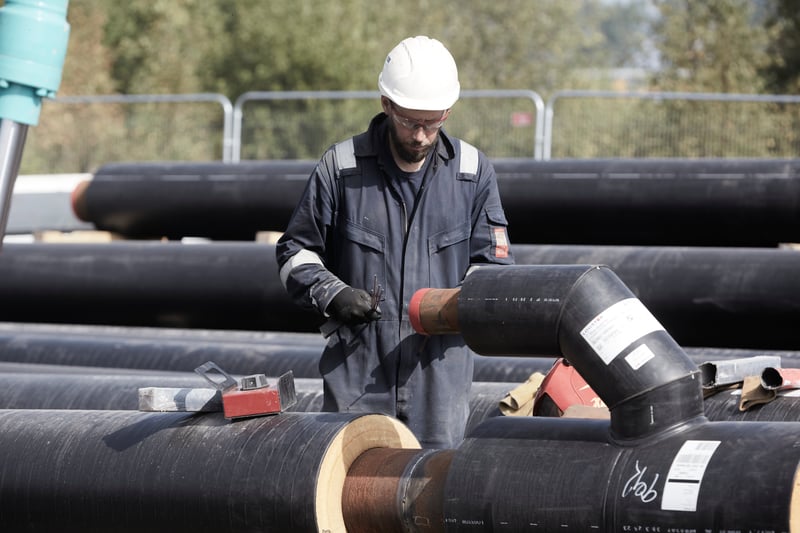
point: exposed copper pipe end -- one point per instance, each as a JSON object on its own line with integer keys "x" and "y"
{"x": 369, "y": 495}
{"x": 396, "y": 490}
{"x": 434, "y": 311}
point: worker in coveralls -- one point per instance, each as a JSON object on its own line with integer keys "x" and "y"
{"x": 400, "y": 207}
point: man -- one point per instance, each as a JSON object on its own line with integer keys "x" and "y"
{"x": 400, "y": 207}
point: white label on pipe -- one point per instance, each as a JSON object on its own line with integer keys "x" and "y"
{"x": 686, "y": 474}
{"x": 639, "y": 356}
{"x": 618, "y": 326}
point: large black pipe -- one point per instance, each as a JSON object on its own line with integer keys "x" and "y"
{"x": 36, "y": 386}
{"x": 709, "y": 202}
{"x": 172, "y": 349}
{"x": 130, "y": 348}
{"x": 724, "y": 405}
{"x": 168, "y": 284}
{"x": 658, "y": 464}
{"x": 126, "y": 471}
{"x": 177, "y": 199}
{"x": 47, "y": 388}
{"x": 724, "y": 297}
{"x": 540, "y": 474}
{"x": 719, "y": 297}
{"x": 25, "y": 386}
{"x": 93, "y": 348}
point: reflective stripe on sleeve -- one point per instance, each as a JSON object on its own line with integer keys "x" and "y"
{"x": 303, "y": 257}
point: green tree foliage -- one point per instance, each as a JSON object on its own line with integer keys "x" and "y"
{"x": 719, "y": 46}
{"x": 783, "y": 21}
{"x": 233, "y": 47}
{"x": 72, "y": 137}
{"x": 161, "y": 46}
{"x": 712, "y": 46}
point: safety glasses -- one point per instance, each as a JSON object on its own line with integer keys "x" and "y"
{"x": 428, "y": 126}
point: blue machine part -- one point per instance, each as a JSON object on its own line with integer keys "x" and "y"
{"x": 33, "y": 44}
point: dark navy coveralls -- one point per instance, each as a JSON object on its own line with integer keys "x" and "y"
{"x": 352, "y": 224}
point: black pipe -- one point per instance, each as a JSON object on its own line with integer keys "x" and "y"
{"x": 151, "y": 352}
{"x": 706, "y": 202}
{"x": 724, "y": 405}
{"x": 87, "y": 349}
{"x": 735, "y": 298}
{"x": 587, "y": 314}
{"x": 723, "y": 297}
{"x": 46, "y": 387}
{"x": 216, "y": 200}
{"x": 100, "y": 348}
{"x": 93, "y": 349}
{"x": 165, "y": 284}
{"x": 126, "y": 471}
{"x": 540, "y": 474}
{"x": 103, "y": 392}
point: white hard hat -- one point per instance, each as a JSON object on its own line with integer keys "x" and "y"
{"x": 420, "y": 73}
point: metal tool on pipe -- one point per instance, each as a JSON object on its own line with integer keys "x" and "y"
{"x": 33, "y": 44}
{"x": 245, "y": 397}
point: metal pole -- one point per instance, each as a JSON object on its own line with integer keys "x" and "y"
{"x": 12, "y": 142}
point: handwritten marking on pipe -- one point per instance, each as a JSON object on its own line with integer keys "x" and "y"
{"x": 686, "y": 474}
{"x": 618, "y": 326}
{"x": 637, "y": 486}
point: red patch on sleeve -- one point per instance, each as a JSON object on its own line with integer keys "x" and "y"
{"x": 499, "y": 242}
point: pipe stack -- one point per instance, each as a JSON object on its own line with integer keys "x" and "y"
{"x": 658, "y": 462}
{"x": 112, "y": 318}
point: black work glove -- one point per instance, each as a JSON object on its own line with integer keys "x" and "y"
{"x": 353, "y": 306}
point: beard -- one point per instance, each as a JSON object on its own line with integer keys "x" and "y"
{"x": 410, "y": 152}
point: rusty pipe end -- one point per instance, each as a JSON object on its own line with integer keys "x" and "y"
{"x": 434, "y": 311}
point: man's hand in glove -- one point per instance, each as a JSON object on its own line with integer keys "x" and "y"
{"x": 353, "y": 306}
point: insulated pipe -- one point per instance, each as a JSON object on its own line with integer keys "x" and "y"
{"x": 707, "y": 202}
{"x": 165, "y": 284}
{"x": 129, "y": 471}
{"x": 174, "y": 200}
{"x": 587, "y": 314}
{"x": 29, "y": 387}
{"x": 91, "y": 349}
{"x": 724, "y": 405}
{"x": 120, "y": 392}
{"x": 103, "y": 348}
{"x": 541, "y": 474}
{"x": 161, "y": 353}
{"x": 544, "y": 474}
{"x": 725, "y": 298}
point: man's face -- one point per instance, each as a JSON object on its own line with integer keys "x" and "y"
{"x": 413, "y": 132}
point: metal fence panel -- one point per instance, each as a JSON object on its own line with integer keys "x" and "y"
{"x": 602, "y": 124}
{"x": 302, "y": 124}
{"x": 80, "y": 133}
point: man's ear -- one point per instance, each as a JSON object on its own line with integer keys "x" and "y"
{"x": 386, "y": 104}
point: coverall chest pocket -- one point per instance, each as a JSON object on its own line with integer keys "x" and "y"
{"x": 362, "y": 255}
{"x": 448, "y": 255}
